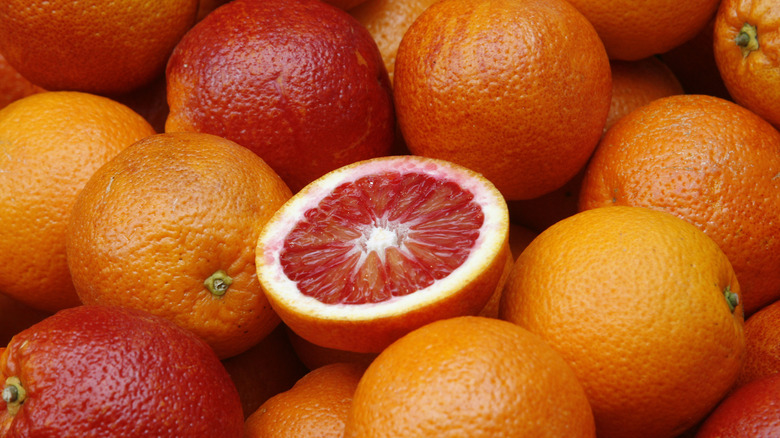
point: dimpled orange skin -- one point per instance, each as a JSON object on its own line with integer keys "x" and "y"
{"x": 469, "y": 376}
{"x": 633, "y": 299}
{"x": 50, "y": 144}
{"x": 706, "y": 160}
{"x": 319, "y": 94}
{"x": 153, "y": 224}
{"x": 630, "y": 32}
{"x": 752, "y": 411}
{"x": 93, "y": 371}
{"x": 92, "y": 45}
{"x": 762, "y": 344}
{"x": 316, "y": 406}
{"x": 751, "y": 80}
{"x": 518, "y": 91}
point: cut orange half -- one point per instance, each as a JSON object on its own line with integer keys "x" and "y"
{"x": 375, "y": 249}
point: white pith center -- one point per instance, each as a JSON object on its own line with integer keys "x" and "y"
{"x": 378, "y": 238}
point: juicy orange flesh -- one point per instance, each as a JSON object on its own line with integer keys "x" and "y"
{"x": 381, "y": 236}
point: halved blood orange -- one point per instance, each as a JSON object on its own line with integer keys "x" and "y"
{"x": 375, "y": 249}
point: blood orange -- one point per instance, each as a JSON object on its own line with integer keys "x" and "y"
{"x": 370, "y": 251}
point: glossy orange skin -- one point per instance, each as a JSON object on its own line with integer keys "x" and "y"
{"x": 92, "y": 46}
{"x": 153, "y": 224}
{"x": 752, "y": 411}
{"x": 752, "y": 79}
{"x": 633, "y": 300}
{"x": 762, "y": 344}
{"x": 706, "y": 160}
{"x": 631, "y": 32}
{"x": 50, "y": 144}
{"x": 518, "y": 91}
{"x": 319, "y": 95}
{"x": 317, "y": 405}
{"x": 469, "y": 376}
{"x": 93, "y": 371}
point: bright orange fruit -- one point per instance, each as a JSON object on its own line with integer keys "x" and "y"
{"x": 50, "y": 144}
{"x": 168, "y": 226}
{"x": 473, "y": 377}
{"x": 643, "y": 306}
{"x": 708, "y": 161}
{"x": 516, "y": 90}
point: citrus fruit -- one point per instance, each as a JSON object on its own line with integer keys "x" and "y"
{"x": 542, "y": 211}
{"x": 206, "y": 6}
{"x": 708, "y": 161}
{"x": 344, "y": 4}
{"x": 16, "y": 316}
{"x": 316, "y": 406}
{"x": 50, "y": 144}
{"x": 94, "y": 371}
{"x": 13, "y": 86}
{"x": 469, "y": 376}
{"x": 693, "y": 64}
{"x": 516, "y": 90}
{"x": 92, "y": 45}
{"x": 762, "y": 344}
{"x": 752, "y": 411}
{"x": 746, "y": 53}
{"x": 268, "y": 368}
{"x": 372, "y": 250}
{"x": 636, "y": 83}
{"x": 643, "y": 306}
{"x": 168, "y": 226}
{"x": 387, "y": 21}
{"x": 631, "y": 33}
{"x": 319, "y": 93}
{"x": 315, "y": 356}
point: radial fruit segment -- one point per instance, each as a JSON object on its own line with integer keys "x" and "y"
{"x": 372, "y": 250}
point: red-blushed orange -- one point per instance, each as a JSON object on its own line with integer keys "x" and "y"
{"x": 307, "y": 101}
{"x": 95, "y": 371}
{"x": 168, "y": 226}
{"x": 95, "y": 46}
{"x": 752, "y": 411}
{"x": 375, "y": 249}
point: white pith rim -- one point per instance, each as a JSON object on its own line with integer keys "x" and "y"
{"x": 492, "y": 236}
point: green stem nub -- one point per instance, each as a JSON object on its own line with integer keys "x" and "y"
{"x": 747, "y": 39}
{"x": 14, "y": 394}
{"x": 731, "y": 298}
{"x": 218, "y": 283}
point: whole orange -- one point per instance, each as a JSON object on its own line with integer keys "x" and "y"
{"x": 752, "y": 411}
{"x": 168, "y": 226}
{"x": 268, "y": 368}
{"x": 388, "y": 21}
{"x": 643, "y": 306}
{"x": 516, "y": 90}
{"x": 708, "y": 161}
{"x": 92, "y": 45}
{"x": 50, "y": 144}
{"x": 316, "y": 406}
{"x": 636, "y": 83}
{"x": 469, "y": 376}
{"x": 747, "y": 53}
{"x": 13, "y": 86}
{"x": 631, "y": 31}
{"x": 94, "y": 371}
{"x": 762, "y": 344}
{"x": 301, "y": 83}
